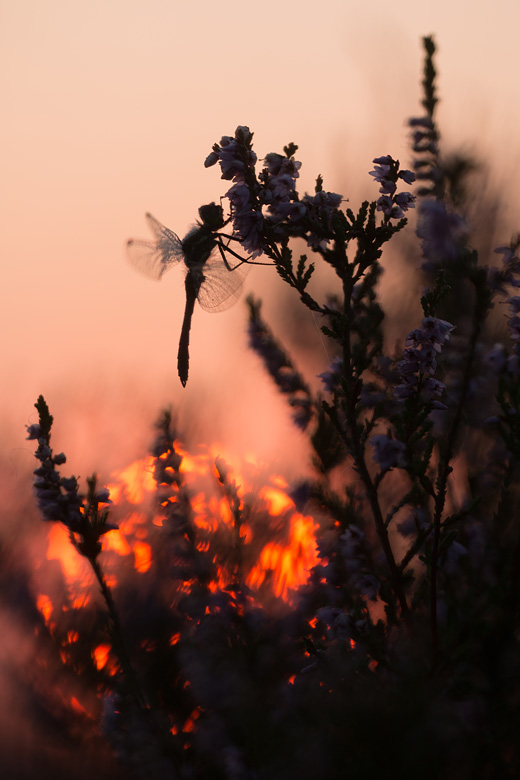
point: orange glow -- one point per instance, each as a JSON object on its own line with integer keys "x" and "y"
{"x": 190, "y": 722}
{"x": 60, "y": 548}
{"x": 192, "y": 464}
{"x": 143, "y": 556}
{"x": 44, "y": 604}
{"x": 100, "y": 655}
{"x": 133, "y": 521}
{"x": 289, "y": 564}
{"x": 277, "y": 501}
{"x": 279, "y": 482}
{"x": 225, "y": 512}
{"x": 117, "y": 542}
{"x": 81, "y": 601}
{"x": 137, "y": 479}
{"x": 198, "y": 503}
{"x": 78, "y": 707}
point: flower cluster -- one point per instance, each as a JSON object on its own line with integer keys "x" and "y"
{"x": 267, "y": 209}
{"x": 279, "y": 366}
{"x": 388, "y": 453}
{"x": 59, "y": 499}
{"x": 361, "y": 580}
{"x": 508, "y": 274}
{"x": 237, "y": 162}
{"x": 513, "y": 322}
{"x": 419, "y": 361}
{"x": 387, "y": 173}
{"x": 280, "y": 174}
{"x": 443, "y": 233}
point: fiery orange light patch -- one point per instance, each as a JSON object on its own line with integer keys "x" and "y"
{"x": 100, "y": 655}
{"x": 60, "y": 548}
{"x": 136, "y": 479}
{"x": 143, "y": 556}
{"x": 277, "y": 501}
{"x": 116, "y": 541}
{"x": 78, "y": 707}
{"x": 81, "y": 601}
{"x": 290, "y": 565}
{"x": 44, "y": 604}
{"x": 193, "y": 464}
{"x": 190, "y": 722}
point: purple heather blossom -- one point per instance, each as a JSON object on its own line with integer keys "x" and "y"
{"x": 385, "y": 204}
{"x": 419, "y": 360}
{"x": 388, "y": 453}
{"x": 103, "y": 496}
{"x": 280, "y": 192}
{"x": 321, "y": 208}
{"x": 407, "y": 176}
{"x": 34, "y": 431}
{"x": 383, "y": 168}
{"x": 442, "y": 232}
{"x": 323, "y": 202}
{"x": 387, "y": 173}
{"x": 330, "y": 378}
{"x": 416, "y": 520}
{"x": 278, "y": 165}
{"x": 423, "y": 121}
{"x": 496, "y": 358}
{"x": 247, "y": 222}
{"x": 404, "y": 201}
{"x": 513, "y": 322}
{"x": 234, "y": 155}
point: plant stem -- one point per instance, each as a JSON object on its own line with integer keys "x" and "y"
{"x": 359, "y": 458}
{"x": 442, "y": 480}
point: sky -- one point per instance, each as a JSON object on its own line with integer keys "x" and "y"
{"x": 109, "y": 110}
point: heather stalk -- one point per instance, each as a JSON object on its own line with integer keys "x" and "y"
{"x": 352, "y": 385}
{"x": 483, "y": 302}
{"x": 60, "y": 501}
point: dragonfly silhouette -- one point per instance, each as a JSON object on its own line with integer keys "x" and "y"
{"x": 209, "y": 277}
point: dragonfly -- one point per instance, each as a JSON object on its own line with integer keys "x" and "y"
{"x": 209, "y": 278}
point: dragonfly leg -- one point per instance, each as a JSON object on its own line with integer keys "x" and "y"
{"x": 223, "y": 248}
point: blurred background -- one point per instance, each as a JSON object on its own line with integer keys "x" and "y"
{"x": 109, "y": 110}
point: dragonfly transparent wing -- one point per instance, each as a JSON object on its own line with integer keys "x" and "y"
{"x": 221, "y": 288}
{"x": 154, "y": 258}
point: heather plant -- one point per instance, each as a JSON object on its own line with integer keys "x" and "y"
{"x": 400, "y": 654}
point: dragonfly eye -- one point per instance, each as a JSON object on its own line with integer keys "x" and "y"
{"x": 212, "y": 216}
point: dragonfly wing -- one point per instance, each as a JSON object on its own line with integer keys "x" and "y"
{"x": 221, "y": 288}
{"x": 154, "y": 258}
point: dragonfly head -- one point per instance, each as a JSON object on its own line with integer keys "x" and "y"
{"x": 212, "y": 216}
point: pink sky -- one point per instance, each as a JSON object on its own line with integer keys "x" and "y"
{"x": 110, "y": 110}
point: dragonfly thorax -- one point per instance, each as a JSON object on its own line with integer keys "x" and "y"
{"x": 198, "y": 245}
